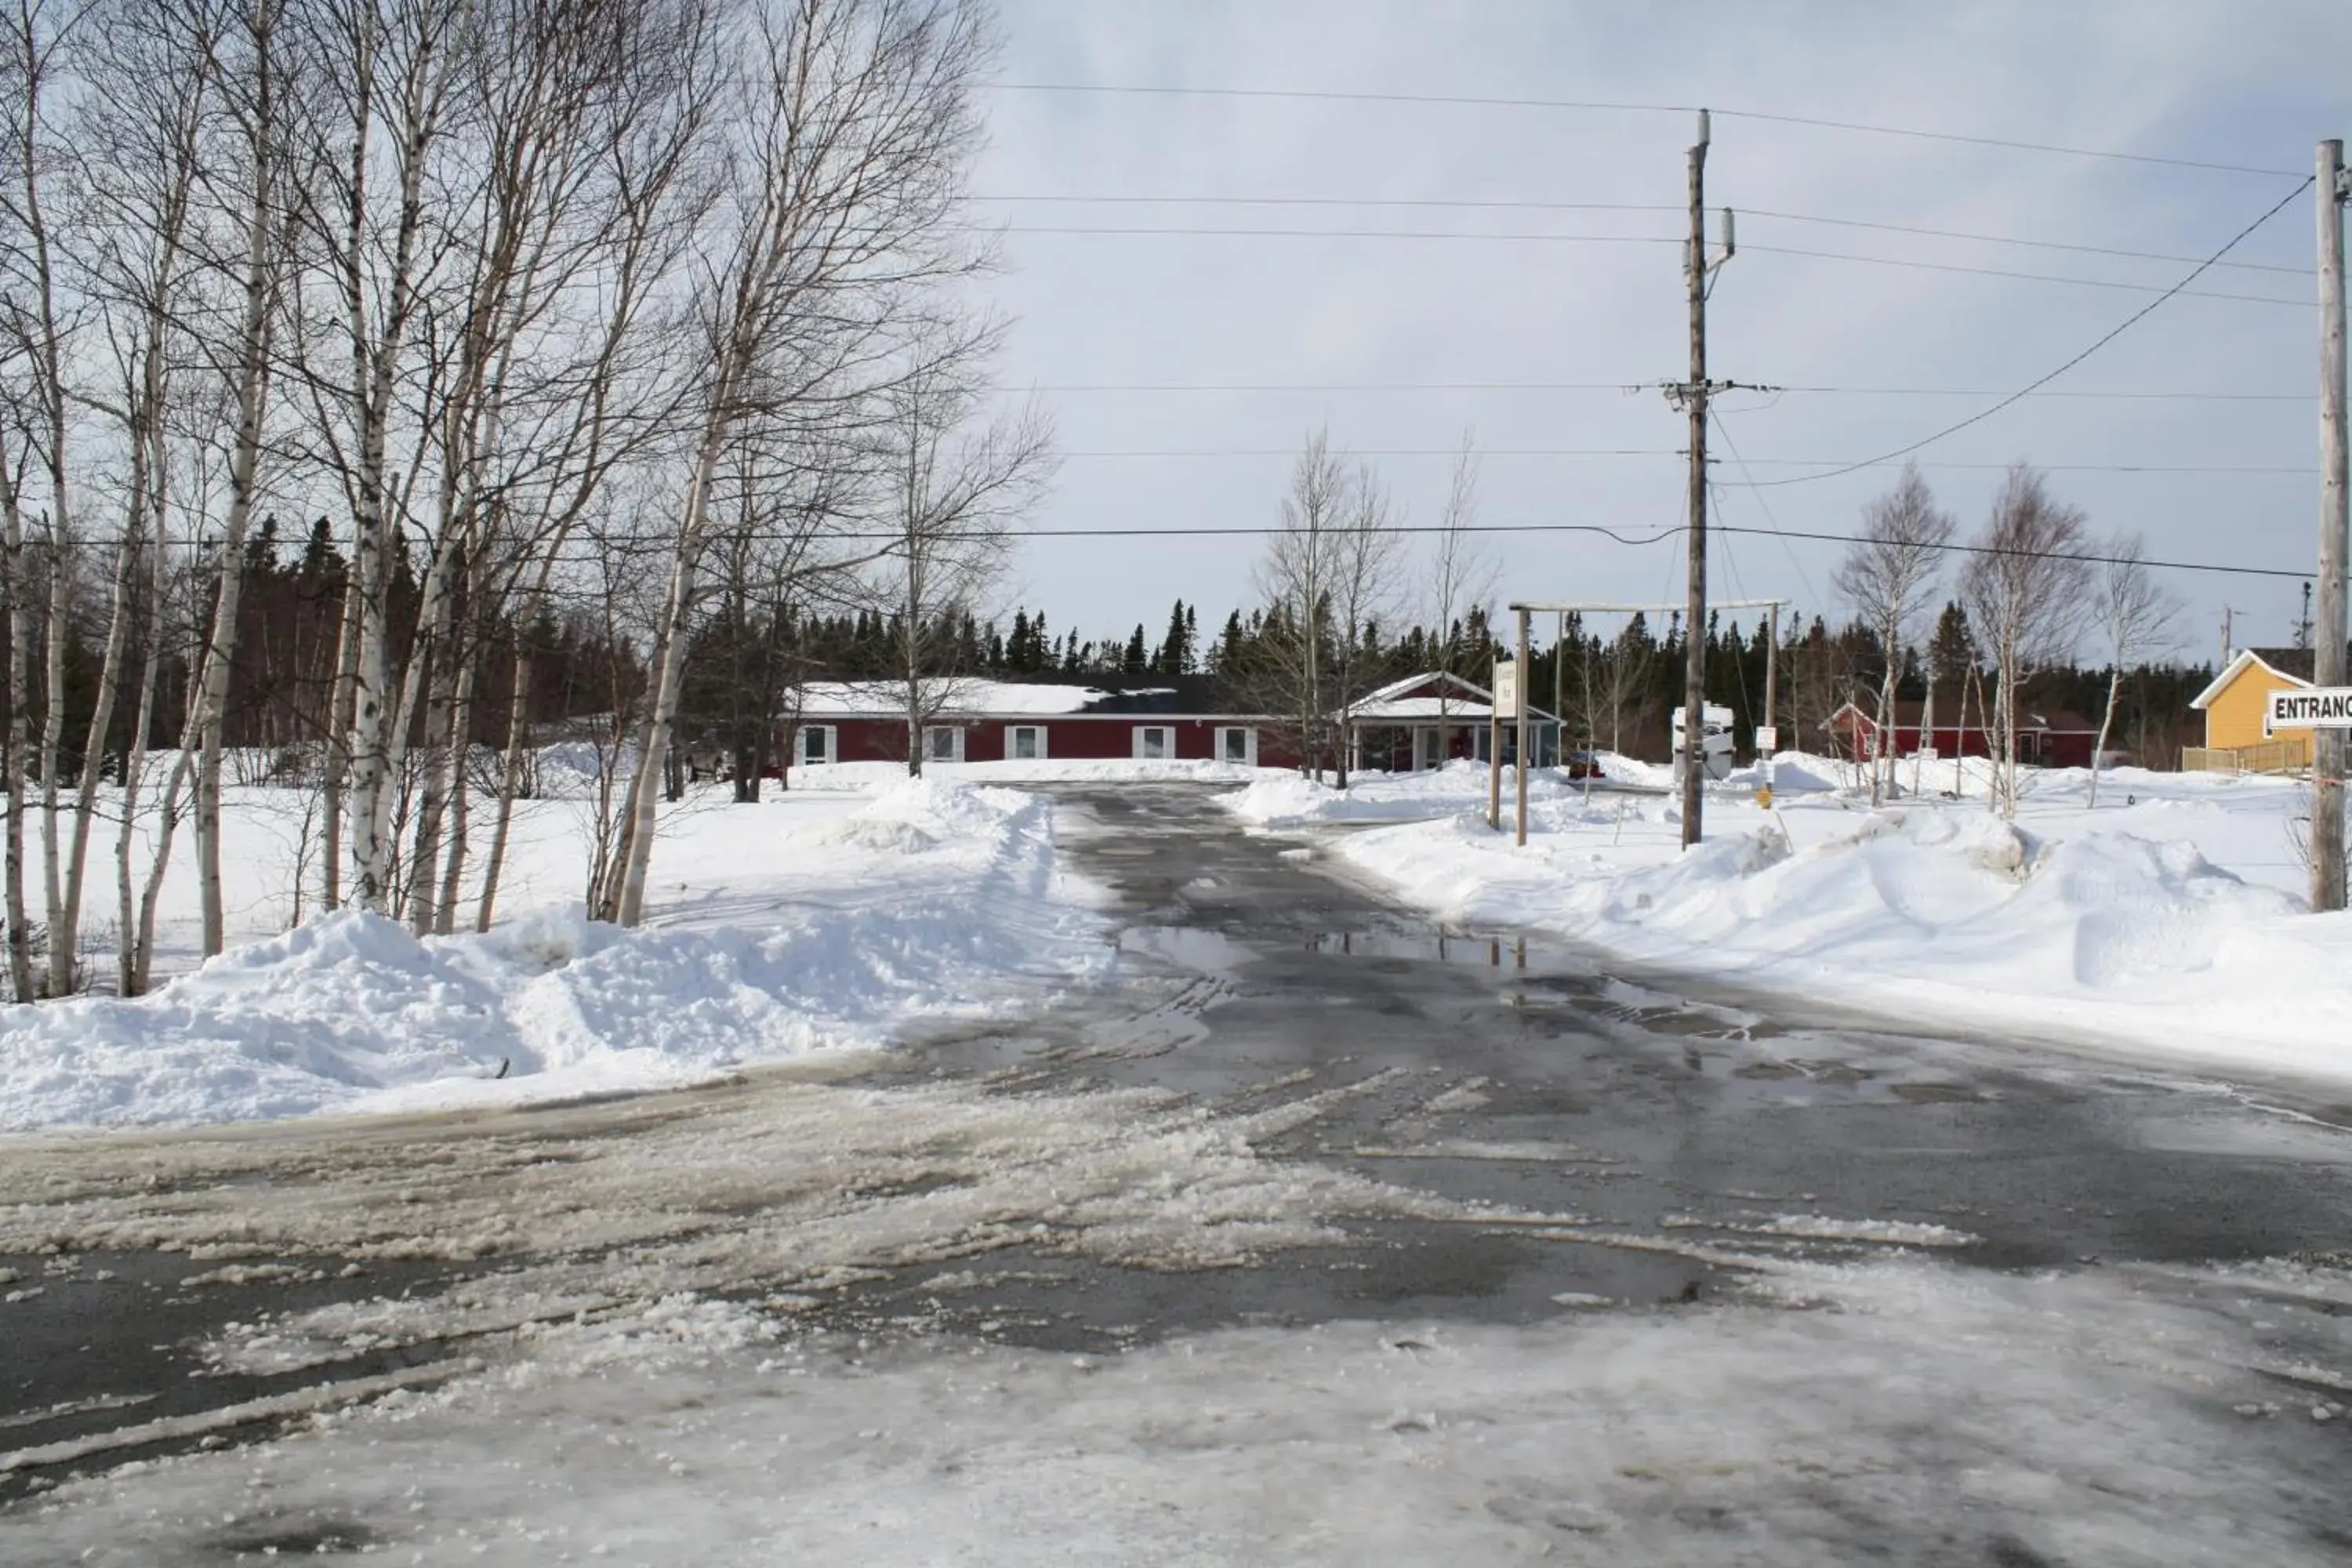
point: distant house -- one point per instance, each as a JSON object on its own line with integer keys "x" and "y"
{"x": 2046, "y": 737}
{"x": 1172, "y": 719}
{"x": 1420, "y": 722}
{"x": 2233, "y": 706}
{"x": 1427, "y": 720}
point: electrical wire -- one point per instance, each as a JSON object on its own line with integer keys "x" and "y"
{"x": 1605, "y": 106}
{"x": 1621, "y": 387}
{"x": 1837, "y": 465}
{"x": 2126, "y": 325}
{"x": 1166, "y": 231}
{"x": 1458, "y": 204}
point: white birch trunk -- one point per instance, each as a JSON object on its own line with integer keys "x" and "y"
{"x": 20, "y": 743}
{"x": 53, "y": 735}
{"x": 2107, "y": 723}
{"x": 665, "y": 681}
{"x": 212, "y": 708}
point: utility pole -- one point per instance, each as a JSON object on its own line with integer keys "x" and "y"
{"x": 2229, "y": 631}
{"x": 2327, "y": 653}
{"x": 1694, "y": 619}
{"x": 1519, "y": 707}
{"x": 1693, "y": 395}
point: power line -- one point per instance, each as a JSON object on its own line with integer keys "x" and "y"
{"x": 1470, "y": 204}
{"x": 1918, "y": 265}
{"x": 2076, "y": 248}
{"x": 1837, "y": 465}
{"x": 1626, "y": 387}
{"x": 2126, "y": 325}
{"x": 1660, "y": 536}
{"x": 1609, "y": 107}
{"x": 1166, "y": 231}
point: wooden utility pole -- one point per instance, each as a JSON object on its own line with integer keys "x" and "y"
{"x": 2327, "y": 651}
{"x": 1520, "y": 707}
{"x": 1695, "y": 616}
{"x": 1692, "y": 396}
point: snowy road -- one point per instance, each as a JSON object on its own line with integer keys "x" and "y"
{"x": 1311, "y": 1236}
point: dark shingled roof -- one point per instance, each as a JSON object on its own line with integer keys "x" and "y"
{"x": 2298, "y": 662}
{"x": 1178, "y": 694}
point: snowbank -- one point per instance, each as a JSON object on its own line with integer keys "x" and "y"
{"x": 831, "y": 932}
{"x": 2130, "y": 925}
{"x": 1288, "y": 797}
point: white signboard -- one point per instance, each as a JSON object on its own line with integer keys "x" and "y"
{"x": 2312, "y": 708}
{"x": 1768, "y": 738}
{"x": 1506, "y": 686}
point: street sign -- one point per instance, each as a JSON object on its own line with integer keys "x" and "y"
{"x": 1767, "y": 737}
{"x": 1506, "y": 686}
{"x": 2311, "y": 708}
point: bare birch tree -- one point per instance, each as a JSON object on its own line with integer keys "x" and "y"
{"x": 37, "y": 322}
{"x": 2025, "y": 592}
{"x": 851, "y": 130}
{"x": 1889, "y": 576}
{"x": 2136, "y": 616}
{"x": 1461, "y": 575}
{"x": 1295, "y": 579}
{"x": 1366, "y": 586}
{"x": 951, "y": 489}
{"x": 141, "y": 140}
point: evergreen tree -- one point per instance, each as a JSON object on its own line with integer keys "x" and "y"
{"x": 1175, "y": 654}
{"x": 1232, "y": 646}
{"x": 1136, "y": 661}
{"x": 1951, "y": 652}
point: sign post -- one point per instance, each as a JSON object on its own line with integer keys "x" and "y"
{"x": 1504, "y": 689}
{"x": 1522, "y": 751}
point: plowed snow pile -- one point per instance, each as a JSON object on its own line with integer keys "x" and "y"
{"x": 827, "y": 933}
{"x": 2167, "y": 920}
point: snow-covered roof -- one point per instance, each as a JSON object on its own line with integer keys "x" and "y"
{"x": 2234, "y": 668}
{"x": 873, "y": 699}
{"x": 1397, "y": 703}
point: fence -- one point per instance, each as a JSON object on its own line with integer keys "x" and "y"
{"x": 2288, "y": 756}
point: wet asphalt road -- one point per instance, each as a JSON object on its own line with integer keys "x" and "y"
{"x": 1492, "y": 1066}
{"x": 1644, "y": 1104}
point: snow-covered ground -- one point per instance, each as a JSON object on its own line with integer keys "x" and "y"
{"x": 1899, "y": 1410}
{"x": 2166, "y": 921}
{"x": 817, "y": 918}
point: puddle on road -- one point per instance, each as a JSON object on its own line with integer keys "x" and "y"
{"x": 1516, "y": 953}
{"x": 1189, "y": 947}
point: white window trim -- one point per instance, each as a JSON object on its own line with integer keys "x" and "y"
{"x": 955, "y": 744}
{"x": 1010, "y": 755}
{"x": 832, "y": 738}
{"x": 1168, "y": 756}
{"x": 1249, "y": 743}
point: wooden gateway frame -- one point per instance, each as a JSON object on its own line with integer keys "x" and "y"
{"x": 1525, "y": 611}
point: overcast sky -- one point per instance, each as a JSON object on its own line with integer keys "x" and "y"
{"x": 2253, "y": 83}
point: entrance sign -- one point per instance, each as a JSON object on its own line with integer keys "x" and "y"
{"x": 2314, "y": 708}
{"x": 1506, "y": 686}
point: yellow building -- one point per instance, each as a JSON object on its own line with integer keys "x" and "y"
{"x": 2233, "y": 708}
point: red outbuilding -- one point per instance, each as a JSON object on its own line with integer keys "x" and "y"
{"x": 2046, "y": 737}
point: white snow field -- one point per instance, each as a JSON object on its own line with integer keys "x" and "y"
{"x": 1898, "y": 1410}
{"x": 814, "y": 919}
{"x": 2168, "y": 921}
